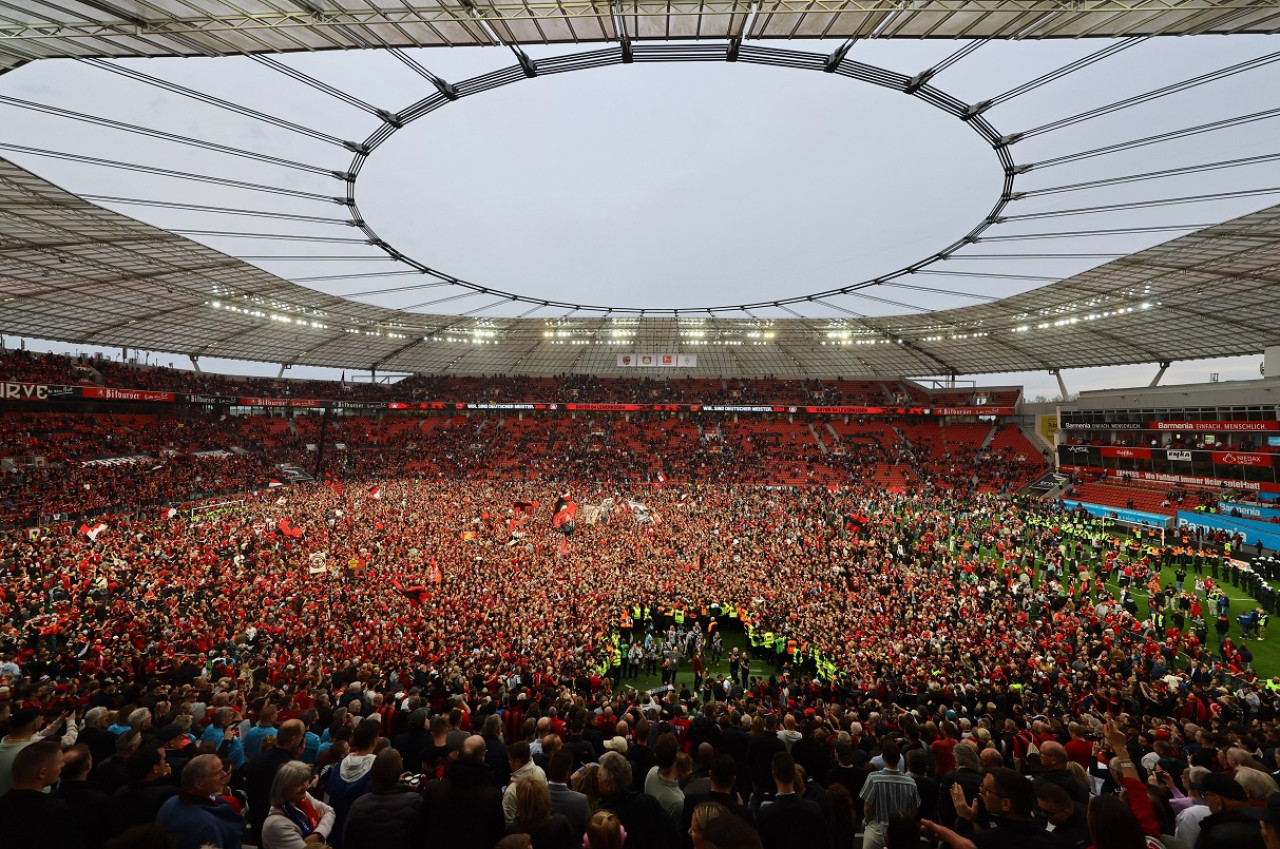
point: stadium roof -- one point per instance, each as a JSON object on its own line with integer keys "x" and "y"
{"x": 75, "y": 272}
{"x": 32, "y": 30}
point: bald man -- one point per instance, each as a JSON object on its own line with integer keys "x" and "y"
{"x": 1054, "y": 760}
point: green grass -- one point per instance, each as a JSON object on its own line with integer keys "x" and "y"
{"x": 732, "y": 639}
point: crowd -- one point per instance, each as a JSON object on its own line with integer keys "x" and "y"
{"x": 40, "y": 367}
{"x": 93, "y": 463}
{"x": 399, "y": 661}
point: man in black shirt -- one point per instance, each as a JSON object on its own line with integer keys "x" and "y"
{"x": 30, "y": 816}
{"x": 790, "y": 821}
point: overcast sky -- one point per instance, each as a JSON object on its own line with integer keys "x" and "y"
{"x": 674, "y": 185}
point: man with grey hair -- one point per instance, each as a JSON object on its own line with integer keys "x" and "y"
{"x": 94, "y": 734}
{"x": 967, "y": 774}
{"x": 199, "y": 815}
{"x": 648, "y": 825}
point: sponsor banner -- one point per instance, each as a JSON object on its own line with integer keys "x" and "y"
{"x": 1253, "y": 531}
{"x": 1215, "y": 426}
{"x": 1079, "y": 455}
{"x": 26, "y": 391}
{"x": 1241, "y": 458}
{"x": 1248, "y": 511}
{"x": 356, "y": 405}
{"x": 206, "y": 399}
{"x": 1125, "y": 452}
{"x": 1103, "y": 426}
{"x": 1133, "y": 517}
{"x": 1195, "y": 480}
{"x": 107, "y": 394}
{"x": 974, "y": 411}
{"x": 1181, "y": 455}
{"x": 262, "y": 402}
{"x": 1219, "y": 427}
{"x": 657, "y": 360}
{"x": 64, "y": 392}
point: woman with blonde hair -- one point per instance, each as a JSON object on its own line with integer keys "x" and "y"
{"x": 703, "y": 814}
{"x": 605, "y": 831}
{"x": 534, "y": 816}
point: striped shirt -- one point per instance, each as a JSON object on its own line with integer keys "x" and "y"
{"x": 890, "y": 790}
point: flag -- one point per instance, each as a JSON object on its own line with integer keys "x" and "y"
{"x": 376, "y": 493}
{"x": 563, "y": 518}
{"x": 416, "y": 594}
{"x": 287, "y": 529}
{"x": 273, "y": 483}
{"x": 662, "y": 478}
{"x": 564, "y": 547}
{"x": 434, "y": 574}
{"x": 170, "y": 513}
{"x": 92, "y": 532}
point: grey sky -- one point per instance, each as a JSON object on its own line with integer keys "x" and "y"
{"x": 673, "y": 185}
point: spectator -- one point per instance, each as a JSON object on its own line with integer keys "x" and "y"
{"x": 296, "y": 818}
{"x": 199, "y": 815}
{"x": 390, "y": 815}
{"x": 464, "y": 809}
{"x": 351, "y": 779}
{"x": 564, "y": 799}
{"x": 790, "y": 821}
{"x": 646, "y": 823}
{"x": 534, "y": 816}
{"x": 1229, "y": 825}
{"x": 521, "y": 762}
{"x": 883, "y": 793}
{"x": 662, "y": 782}
{"x": 29, "y": 815}
{"x": 260, "y": 772}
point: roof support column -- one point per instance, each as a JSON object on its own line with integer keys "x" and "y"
{"x": 1155, "y": 381}
{"x": 280, "y": 373}
{"x": 1062, "y": 387}
{"x": 195, "y": 362}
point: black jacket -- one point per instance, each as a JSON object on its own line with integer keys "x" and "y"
{"x": 1230, "y": 830}
{"x": 258, "y": 775}
{"x": 464, "y": 809}
{"x": 793, "y": 822}
{"x": 386, "y": 819}
{"x": 91, "y": 809}
{"x": 647, "y": 824}
{"x": 32, "y": 818}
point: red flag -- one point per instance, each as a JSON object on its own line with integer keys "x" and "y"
{"x": 416, "y": 594}
{"x": 376, "y": 493}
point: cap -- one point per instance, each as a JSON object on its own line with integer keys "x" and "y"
{"x": 1223, "y": 786}
{"x": 616, "y": 744}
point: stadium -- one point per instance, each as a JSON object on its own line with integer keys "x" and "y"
{"x": 643, "y": 425}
